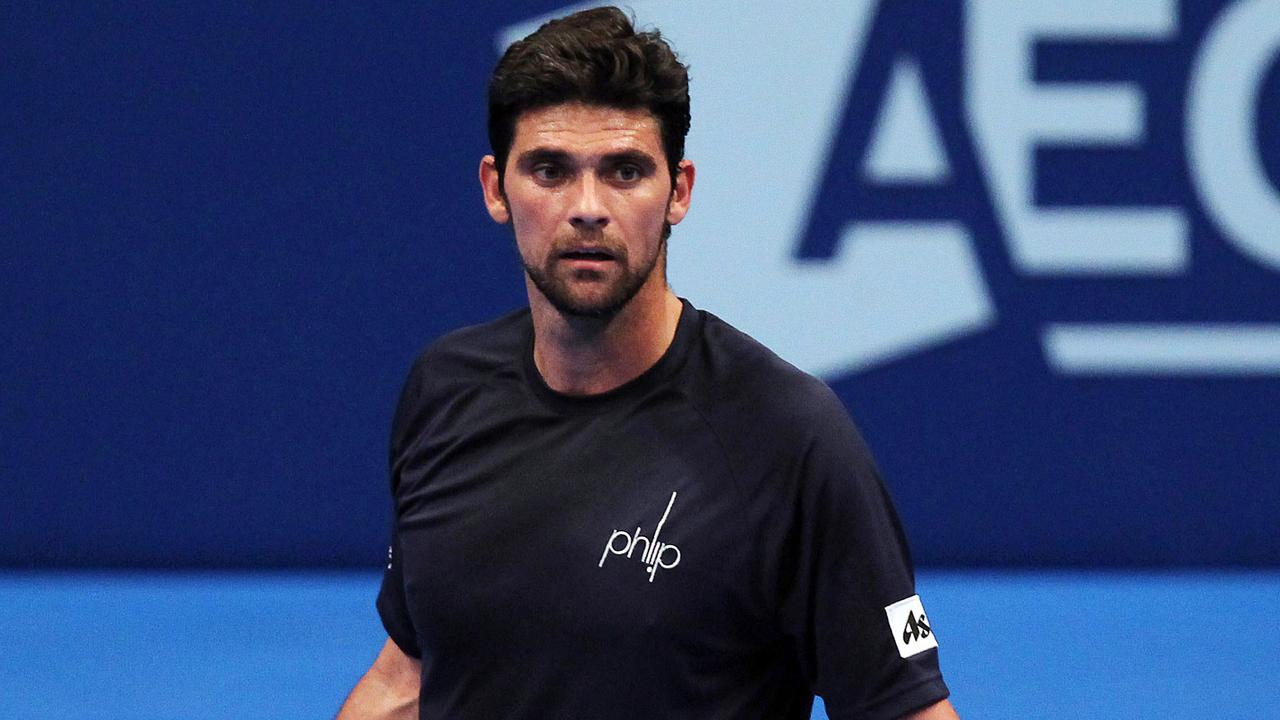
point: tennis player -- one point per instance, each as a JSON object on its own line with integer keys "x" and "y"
{"x": 612, "y": 504}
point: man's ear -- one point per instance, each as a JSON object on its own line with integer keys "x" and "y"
{"x": 494, "y": 202}
{"x": 682, "y": 192}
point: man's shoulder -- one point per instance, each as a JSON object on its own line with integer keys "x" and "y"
{"x": 469, "y": 354}
{"x": 746, "y": 376}
{"x": 767, "y": 413}
{"x": 478, "y": 347}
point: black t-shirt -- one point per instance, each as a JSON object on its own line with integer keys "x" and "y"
{"x": 710, "y": 540}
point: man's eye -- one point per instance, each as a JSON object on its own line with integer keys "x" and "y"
{"x": 628, "y": 173}
{"x": 548, "y": 173}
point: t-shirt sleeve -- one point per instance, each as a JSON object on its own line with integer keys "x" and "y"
{"x": 851, "y": 590}
{"x": 392, "y": 606}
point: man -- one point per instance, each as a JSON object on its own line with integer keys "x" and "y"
{"x": 611, "y": 504}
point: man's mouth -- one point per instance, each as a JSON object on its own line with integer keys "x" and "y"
{"x": 592, "y": 254}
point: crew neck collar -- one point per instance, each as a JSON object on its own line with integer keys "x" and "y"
{"x": 634, "y": 388}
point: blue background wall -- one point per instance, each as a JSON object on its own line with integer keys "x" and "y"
{"x": 226, "y": 231}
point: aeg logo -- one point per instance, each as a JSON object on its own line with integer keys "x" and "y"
{"x": 655, "y": 554}
{"x": 806, "y": 232}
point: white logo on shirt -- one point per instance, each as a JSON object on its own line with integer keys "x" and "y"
{"x": 910, "y": 627}
{"x": 655, "y": 554}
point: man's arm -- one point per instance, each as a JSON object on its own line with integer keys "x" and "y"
{"x": 388, "y": 691}
{"x": 940, "y": 710}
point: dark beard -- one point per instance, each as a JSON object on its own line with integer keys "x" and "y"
{"x": 557, "y": 288}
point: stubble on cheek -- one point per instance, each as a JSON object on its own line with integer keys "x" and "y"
{"x": 586, "y": 292}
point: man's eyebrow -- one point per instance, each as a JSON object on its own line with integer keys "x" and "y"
{"x": 643, "y": 159}
{"x": 537, "y": 155}
{"x": 533, "y": 156}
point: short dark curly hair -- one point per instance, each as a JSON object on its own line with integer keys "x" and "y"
{"x": 594, "y": 57}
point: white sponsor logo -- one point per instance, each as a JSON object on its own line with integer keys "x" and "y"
{"x": 910, "y": 627}
{"x": 655, "y": 554}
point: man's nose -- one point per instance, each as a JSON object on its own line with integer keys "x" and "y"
{"x": 589, "y": 212}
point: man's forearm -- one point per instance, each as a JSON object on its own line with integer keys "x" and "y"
{"x": 388, "y": 691}
{"x": 373, "y": 698}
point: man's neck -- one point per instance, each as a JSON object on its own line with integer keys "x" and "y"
{"x": 589, "y": 356}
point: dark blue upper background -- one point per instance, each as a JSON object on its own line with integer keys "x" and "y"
{"x": 227, "y": 231}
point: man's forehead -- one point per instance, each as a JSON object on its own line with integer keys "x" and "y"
{"x": 580, "y": 124}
